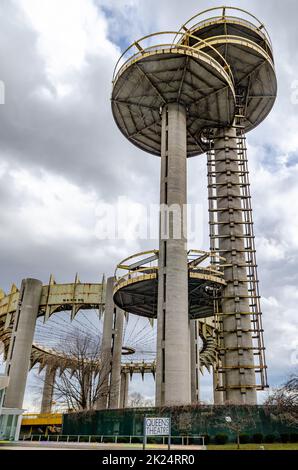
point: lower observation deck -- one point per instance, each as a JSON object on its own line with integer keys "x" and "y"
{"x": 136, "y": 290}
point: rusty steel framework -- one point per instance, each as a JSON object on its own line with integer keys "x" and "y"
{"x": 249, "y": 251}
{"x": 55, "y": 298}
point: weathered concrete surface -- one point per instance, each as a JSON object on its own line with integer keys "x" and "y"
{"x": 106, "y": 346}
{"x": 48, "y": 389}
{"x": 18, "y": 361}
{"x": 116, "y": 359}
{"x": 238, "y": 360}
{"x": 194, "y": 361}
{"x": 124, "y": 390}
{"x": 173, "y": 350}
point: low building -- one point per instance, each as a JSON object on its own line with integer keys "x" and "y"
{"x": 10, "y": 418}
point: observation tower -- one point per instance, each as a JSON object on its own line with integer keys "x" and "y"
{"x": 177, "y": 95}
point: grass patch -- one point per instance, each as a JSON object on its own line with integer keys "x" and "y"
{"x": 275, "y": 446}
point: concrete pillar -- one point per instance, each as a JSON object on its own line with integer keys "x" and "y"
{"x": 106, "y": 347}
{"x": 173, "y": 351}
{"x": 116, "y": 359}
{"x": 238, "y": 360}
{"x": 194, "y": 362}
{"x": 19, "y": 353}
{"x": 218, "y": 396}
{"x": 48, "y": 389}
{"x": 124, "y": 390}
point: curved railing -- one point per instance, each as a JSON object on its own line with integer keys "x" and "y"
{"x": 142, "y": 51}
{"x": 248, "y": 19}
{"x": 144, "y": 265}
{"x": 233, "y": 39}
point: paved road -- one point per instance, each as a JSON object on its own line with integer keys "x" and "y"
{"x": 83, "y": 446}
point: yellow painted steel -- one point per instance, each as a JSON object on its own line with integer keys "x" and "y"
{"x": 45, "y": 419}
{"x": 73, "y": 296}
{"x": 259, "y": 27}
{"x": 58, "y": 296}
{"x": 172, "y": 47}
{"x": 213, "y": 272}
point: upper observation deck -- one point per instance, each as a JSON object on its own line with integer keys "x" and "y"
{"x": 245, "y": 44}
{"x": 159, "y": 69}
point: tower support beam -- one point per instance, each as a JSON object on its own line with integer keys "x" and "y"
{"x": 195, "y": 362}
{"x": 48, "y": 389}
{"x": 116, "y": 359}
{"x": 237, "y": 345}
{"x": 106, "y": 347}
{"x": 20, "y": 347}
{"x": 173, "y": 349}
{"x": 124, "y": 390}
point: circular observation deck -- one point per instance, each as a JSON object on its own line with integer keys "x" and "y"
{"x": 246, "y": 46}
{"x": 136, "y": 285}
{"x": 147, "y": 77}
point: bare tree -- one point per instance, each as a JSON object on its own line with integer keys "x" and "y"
{"x": 79, "y": 384}
{"x": 136, "y": 400}
{"x": 291, "y": 388}
{"x": 238, "y": 419}
{"x": 282, "y": 403}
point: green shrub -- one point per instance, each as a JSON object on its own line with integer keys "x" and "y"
{"x": 284, "y": 438}
{"x": 258, "y": 438}
{"x": 156, "y": 440}
{"x": 244, "y": 438}
{"x": 221, "y": 439}
{"x": 293, "y": 437}
{"x": 123, "y": 439}
{"x": 196, "y": 441}
{"x": 270, "y": 438}
{"x": 177, "y": 440}
{"x": 137, "y": 439}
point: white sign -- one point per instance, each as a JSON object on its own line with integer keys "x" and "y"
{"x": 157, "y": 426}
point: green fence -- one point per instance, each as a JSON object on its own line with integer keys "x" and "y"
{"x": 190, "y": 421}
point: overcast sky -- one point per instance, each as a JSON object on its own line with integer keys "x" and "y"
{"x": 62, "y": 156}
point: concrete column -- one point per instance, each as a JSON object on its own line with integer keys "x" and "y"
{"x": 194, "y": 362}
{"x": 116, "y": 359}
{"x": 173, "y": 350}
{"x": 106, "y": 347}
{"x": 218, "y": 396}
{"x": 48, "y": 389}
{"x": 238, "y": 360}
{"x": 124, "y": 390}
{"x": 19, "y": 353}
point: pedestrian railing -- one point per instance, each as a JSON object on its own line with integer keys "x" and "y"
{"x": 116, "y": 439}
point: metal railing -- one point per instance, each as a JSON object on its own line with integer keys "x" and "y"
{"x": 143, "y": 266}
{"x": 126, "y": 59}
{"x": 245, "y": 18}
{"x": 184, "y": 440}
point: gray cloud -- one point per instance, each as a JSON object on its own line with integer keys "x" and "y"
{"x": 71, "y": 139}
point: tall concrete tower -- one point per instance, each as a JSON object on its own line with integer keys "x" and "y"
{"x": 200, "y": 92}
{"x": 245, "y": 43}
{"x": 162, "y": 97}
